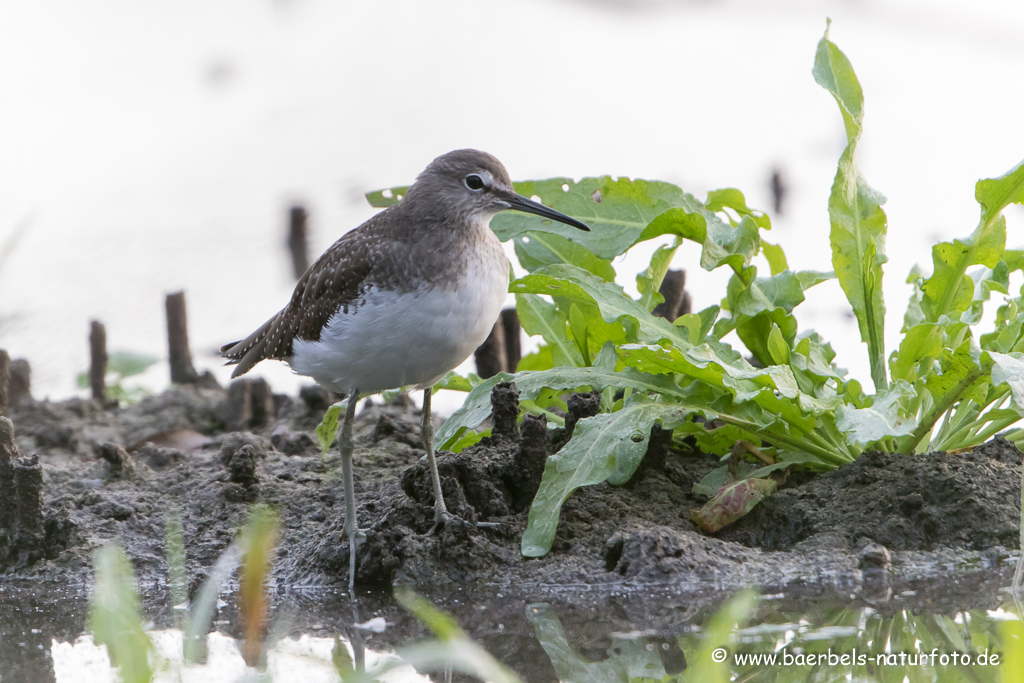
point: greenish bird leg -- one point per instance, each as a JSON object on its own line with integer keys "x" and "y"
{"x": 346, "y": 447}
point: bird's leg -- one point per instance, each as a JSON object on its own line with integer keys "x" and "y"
{"x": 346, "y": 447}
{"x": 441, "y": 514}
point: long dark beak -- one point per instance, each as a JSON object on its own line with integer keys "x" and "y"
{"x": 521, "y": 203}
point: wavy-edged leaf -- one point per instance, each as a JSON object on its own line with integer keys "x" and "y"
{"x": 721, "y": 243}
{"x": 574, "y": 284}
{"x": 855, "y": 211}
{"x": 949, "y": 292}
{"x": 617, "y": 210}
{"x": 885, "y": 417}
{"x": 1009, "y": 368}
{"x": 606, "y": 447}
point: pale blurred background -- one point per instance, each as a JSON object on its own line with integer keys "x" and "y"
{"x": 147, "y": 147}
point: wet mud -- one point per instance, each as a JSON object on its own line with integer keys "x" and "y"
{"x": 82, "y": 475}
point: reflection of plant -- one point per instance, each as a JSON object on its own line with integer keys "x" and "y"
{"x": 117, "y": 621}
{"x": 945, "y": 387}
{"x": 122, "y": 364}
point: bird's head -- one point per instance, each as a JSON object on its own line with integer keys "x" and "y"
{"x": 475, "y": 185}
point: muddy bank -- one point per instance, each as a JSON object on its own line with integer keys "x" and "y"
{"x": 110, "y": 473}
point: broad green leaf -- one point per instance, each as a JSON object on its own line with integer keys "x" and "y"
{"x": 767, "y": 303}
{"x": 882, "y": 419}
{"x": 456, "y": 382}
{"x": 327, "y": 430}
{"x": 855, "y": 210}
{"x": 735, "y": 500}
{"x": 784, "y": 291}
{"x": 721, "y": 243}
{"x": 477, "y": 406}
{"x": 920, "y": 345}
{"x": 948, "y": 291}
{"x": 545, "y": 319}
{"x": 1008, "y": 368}
{"x": 577, "y": 285}
{"x": 606, "y": 447}
{"x": 538, "y": 249}
{"x": 617, "y": 210}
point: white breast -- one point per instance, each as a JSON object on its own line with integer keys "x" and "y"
{"x": 398, "y": 339}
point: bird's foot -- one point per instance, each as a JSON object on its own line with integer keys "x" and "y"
{"x": 443, "y": 519}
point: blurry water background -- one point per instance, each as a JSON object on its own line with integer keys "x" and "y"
{"x": 152, "y": 147}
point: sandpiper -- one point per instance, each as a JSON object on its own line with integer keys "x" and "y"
{"x": 400, "y": 301}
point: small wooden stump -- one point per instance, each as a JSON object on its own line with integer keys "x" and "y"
{"x": 19, "y": 385}
{"x": 490, "y": 356}
{"x": 298, "y": 241}
{"x": 5, "y": 378}
{"x": 513, "y": 338}
{"x": 677, "y": 301}
{"x": 182, "y": 370}
{"x": 98, "y": 361}
{"x": 502, "y": 350}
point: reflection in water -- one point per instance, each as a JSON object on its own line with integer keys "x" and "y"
{"x": 308, "y": 659}
{"x": 544, "y": 643}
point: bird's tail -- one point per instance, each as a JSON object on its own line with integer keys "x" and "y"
{"x": 247, "y": 352}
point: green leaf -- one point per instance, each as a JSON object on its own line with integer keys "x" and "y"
{"x": 538, "y": 249}
{"x": 456, "y": 382}
{"x": 778, "y": 347}
{"x": 855, "y": 210}
{"x": 477, "y": 406}
{"x": 1008, "y": 368}
{"x": 327, "y": 430}
{"x": 545, "y": 319}
{"x": 722, "y": 244}
{"x": 948, "y": 292}
{"x": 776, "y": 257}
{"x": 649, "y": 282}
{"x": 733, "y": 199}
{"x": 577, "y": 285}
{"x": 608, "y": 446}
{"x": 882, "y": 419}
{"x": 921, "y": 344}
{"x": 617, "y": 211}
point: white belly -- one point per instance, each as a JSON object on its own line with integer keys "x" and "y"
{"x": 404, "y": 339}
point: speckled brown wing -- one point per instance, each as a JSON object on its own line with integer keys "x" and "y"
{"x": 334, "y": 281}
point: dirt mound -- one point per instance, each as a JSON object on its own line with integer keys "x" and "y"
{"x": 116, "y": 473}
{"x": 965, "y": 500}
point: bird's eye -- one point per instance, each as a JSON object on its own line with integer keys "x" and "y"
{"x": 474, "y": 182}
